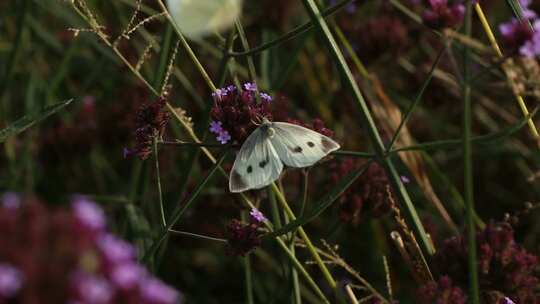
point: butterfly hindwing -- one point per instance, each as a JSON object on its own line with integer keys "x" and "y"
{"x": 300, "y": 147}
{"x": 256, "y": 165}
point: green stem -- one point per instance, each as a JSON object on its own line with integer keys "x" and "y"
{"x": 468, "y": 170}
{"x": 248, "y": 272}
{"x": 293, "y": 33}
{"x": 10, "y": 63}
{"x": 302, "y": 270}
{"x": 245, "y": 45}
{"x": 296, "y": 296}
{"x": 197, "y": 236}
{"x": 417, "y": 100}
{"x": 188, "y": 49}
{"x": 158, "y": 181}
{"x": 326, "y": 273}
{"x": 401, "y": 192}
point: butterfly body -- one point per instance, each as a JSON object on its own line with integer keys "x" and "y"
{"x": 272, "y": 145}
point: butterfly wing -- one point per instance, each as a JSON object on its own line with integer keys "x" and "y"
{"x": 199, "y": 18}
{"x": 300, "y": 147}
{"x": 257, "y": 164}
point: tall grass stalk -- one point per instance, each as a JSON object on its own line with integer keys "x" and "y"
{"x": 474, "y": 297}
{"x": 341, "y": 65}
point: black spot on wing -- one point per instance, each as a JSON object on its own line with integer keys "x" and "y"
{"x": 297, "y": 149}
{"x": 237, "y": 180}
{"x": 327, "y": 144}
{"x": 249, "y": 169}
{"x": 310, "y": 144}
{"x": 263, "y": 163}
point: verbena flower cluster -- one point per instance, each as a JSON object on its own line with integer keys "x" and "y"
{"x": 150, "y": 122}
{"x": 518, "y": 34}
{"x": 369, "y": 191}
{"x": 236, "y": 111}
{"x": 441, "y": 292}
{"x": 68, "y": 256}
{"x": 507, "y": 270}
{"x": 244, "y": 237}
{"x": 443, "y": 13}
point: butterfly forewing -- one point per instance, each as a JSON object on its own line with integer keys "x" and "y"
{"x": 300, "y": 147}
{"x": 256, "y": 165}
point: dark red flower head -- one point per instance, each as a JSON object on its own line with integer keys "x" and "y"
{"x": 243, "y": 237}
{"x": 235, "y": 112}
{"x": 150, "y": 121}
{"x": 441, "y": 14}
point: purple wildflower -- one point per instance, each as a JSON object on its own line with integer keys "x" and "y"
{"x": 10, "y": 281}
{"x": 215, "y": 127}
{"x": 265, "y": 97}
{"x": 154, "y": 291}
{"x": 127, "y": 275}
{"x": 515, "y": 33}
{"x": 531, "y": 48}
{"x": 404, "y": 179}
{"x": 527, "y": 12}
{"x": 220, "y": 93}
{"x": 93, "y": 289}
{"x": 88, "y": 214}
{"x": 237, "y": 112}
{"x": 507, "y": 300}
{"x": 223, "y": 137}
{"x": 257, "y": 215}
{"x": 250, "y": 86}
{"x": 116, "y": 250}
{"x": 10, "y": 200}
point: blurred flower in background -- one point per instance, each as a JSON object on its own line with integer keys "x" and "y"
{"x": 68, "y": 256}
{"x": 443, "y": 13}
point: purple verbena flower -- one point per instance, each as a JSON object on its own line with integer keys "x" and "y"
{"x": 507, "y": 300}
{"x": 10, "y": 200}
{"x": 250, "y": 86}
{"x": 223, "y": 137}
{"x": 265, "y": 97}
{"x": 11, "y": 280}
{"x": 215, "y": 127}
{"x": 116, "y": 250}
{"x": 127, "y": 275}
{"x": 220, "y": 93}
{"x": 237, "y": 112}
{"x": 404, "y": 179}
{"x": 531, "y": 48}
{"x": 88, "y": 214}
{"x": 92, "y": 289}
{"x": 515, "y": 33}
{"x": 527, "y": 12}
{"x": 154, "y": 291}
{"x": 257, "y": 215}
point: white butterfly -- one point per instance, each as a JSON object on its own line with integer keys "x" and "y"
{"x": 197, "y": 18}
{"x": 273, "y": 144}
